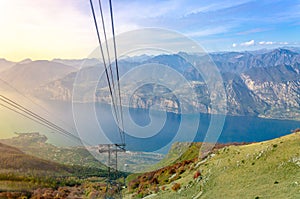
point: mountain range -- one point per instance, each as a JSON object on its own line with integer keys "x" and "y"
{"x": 264, "y": 83}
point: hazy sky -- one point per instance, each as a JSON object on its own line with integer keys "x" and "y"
{"x": 46, "y": 29}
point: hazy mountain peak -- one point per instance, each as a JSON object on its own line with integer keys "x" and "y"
{"x": 27, "y": 75}
{"x": 78, "y": 63}
{"x": 5, "y": 64}
{"x": 25, "y": 61}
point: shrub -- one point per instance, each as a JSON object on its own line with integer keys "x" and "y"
{"x": 176, "y": 187}
{"x": 197, "y": 174}
{"x": 134, "y": 184}
{"x": 172, "y": 171}
{"x": 154, "y": 181}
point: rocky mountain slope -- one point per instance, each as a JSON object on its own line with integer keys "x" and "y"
{"x": 261, "y": 83}
{"x": 27, "y": 75}
{"x": 4, "y": 64}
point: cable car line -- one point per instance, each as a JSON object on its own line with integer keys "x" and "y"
{"x": 35, "y": 103}
{"x": 109, "y": 58}
{"x": 35, "y": 120}
{"x": 33, "y": 116}
{"x": 106, "y": 71}
{"x": 106, "y": 44}
{"x": 117, "y": 70}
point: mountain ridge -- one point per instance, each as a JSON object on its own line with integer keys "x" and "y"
{"x": 28, "y": 75}
{"x": 257, "y": 83}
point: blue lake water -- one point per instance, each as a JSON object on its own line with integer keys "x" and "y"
{"x": 156, "y": 131}
{"x": 152, "y": 131}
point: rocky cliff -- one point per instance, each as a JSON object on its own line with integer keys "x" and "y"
{"x": 259, "y": 83}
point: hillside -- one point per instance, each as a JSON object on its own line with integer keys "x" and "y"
{"x": 258, "y": 83}
{"x": 36, "y": 144}
{"x": 269, "y": 169}
{"x": 263, "y": 83}
{"x": 28, "y": 75}
{"x": 4, "y": 64}
{"x": 43, "y": 165}
{"x": 26, "y": 176}
{"x": 22, "y": 172}
{"x": 14, "y": 159}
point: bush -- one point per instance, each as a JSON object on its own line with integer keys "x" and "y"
{"x": 176, "y": 187}
{"x": 172, "y": 171}
{"x": 134, "y": 184}
{"x": 197, "y": 174}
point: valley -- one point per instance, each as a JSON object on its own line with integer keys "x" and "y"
{"x": 256, "y": 142}
{"x": 115, "y": 99}
{"x": 263, "y": 169}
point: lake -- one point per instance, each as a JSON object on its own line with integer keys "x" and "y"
{"x": 156, "y": 130}
{"x": 146, "y": 130}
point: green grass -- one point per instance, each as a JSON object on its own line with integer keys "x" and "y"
{"x": 36, "y": 144}
{"x": 268, "y": 169}
{"x": 263, "y": 170}
{"x": 20, "y": 171}
{"x": 179, "y": 151}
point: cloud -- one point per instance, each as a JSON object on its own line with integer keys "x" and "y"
{"x": 251, "y": 31}
{"x": 283, "y": 43}
{"x": 210, "y": 6}
{"x": 64, "y": 28}
{"x": 272, "y": 43}
{"x": 260, "y": 43}
{"x": 209, "y": 31}
{"x": 248, "y": 43}
{"x": 44, "y": 29}
{"x": 265, "y": 43}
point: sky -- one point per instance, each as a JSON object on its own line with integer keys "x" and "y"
{"x": 48, "y": 29}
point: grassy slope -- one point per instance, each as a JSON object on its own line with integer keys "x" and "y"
{"x": 175, "y": 152}
{"x": 268, "y": 169}
{"x": 180, "y": 151}
{"x": 21, "y": 174}
{"x": 13, "y": 159}
{"x": 20, "y": 171}
{"x": 36, "y": 145}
